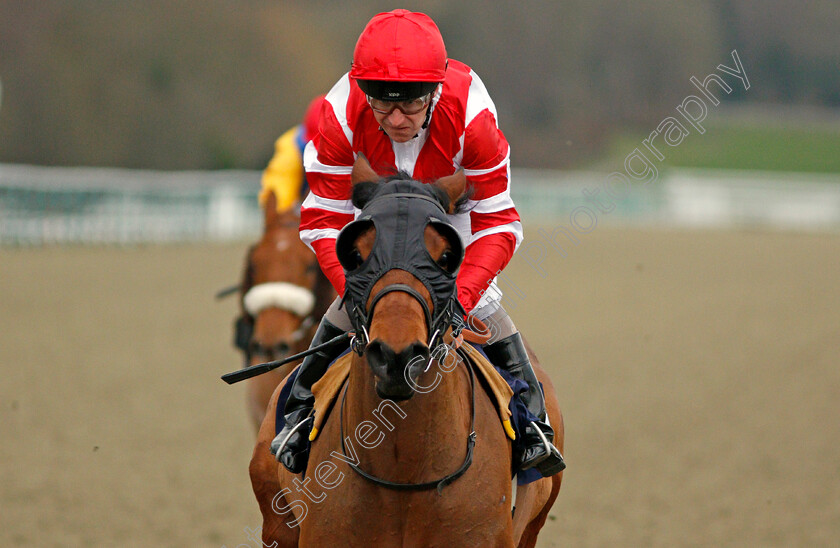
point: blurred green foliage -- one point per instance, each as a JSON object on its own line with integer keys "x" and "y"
{"x": 212, "y": 83}
{"x": 743, "y": 147}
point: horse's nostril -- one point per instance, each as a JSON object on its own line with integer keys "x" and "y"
{"x": 415, "y": 355}
{"x": 383, "y": 359}
{"x": 379, "y": 355}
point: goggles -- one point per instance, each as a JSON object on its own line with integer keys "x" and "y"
{"x": 415, "y": 106}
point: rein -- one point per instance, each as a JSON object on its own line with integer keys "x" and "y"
{"x": 438, "y": 484}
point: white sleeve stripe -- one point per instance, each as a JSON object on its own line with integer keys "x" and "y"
{"x": 312, "y": 165}
{"x": 514, "y": 228}
{"x": 309, "y": 236}
{"x": 476, "y": 172}
{"x": 499, "y": 202}
{"x": 337, "y": 98}
{"x": 338, "y": 206}
{"x": 459, "y": 156}
{"x": 478, "y": 99}
{"x": 329, "y": 170}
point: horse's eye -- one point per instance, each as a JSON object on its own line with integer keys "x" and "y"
{"x": 356, "y": 258}
{"x": 446, "y": 260}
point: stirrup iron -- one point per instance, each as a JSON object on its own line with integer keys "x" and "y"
{"x": 310, "y": 419}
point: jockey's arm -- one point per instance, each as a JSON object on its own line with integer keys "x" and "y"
{"x": 327, "y": 208}
{"x": 494, "y": 221}
{"x": 483, "y": 261}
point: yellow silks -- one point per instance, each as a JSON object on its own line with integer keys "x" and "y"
{"x": 284, "y": 174}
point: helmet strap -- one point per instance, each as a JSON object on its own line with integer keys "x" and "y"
{"x": 428, "y": 118}
{"x": 432, "y": 103}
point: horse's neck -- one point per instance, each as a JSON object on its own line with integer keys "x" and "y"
{"x": 429, "y": 430}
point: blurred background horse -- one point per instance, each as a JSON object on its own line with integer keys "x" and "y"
{"x": 283, "y": 295}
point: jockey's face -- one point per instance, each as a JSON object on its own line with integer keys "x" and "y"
{"x": 401, "y": 127}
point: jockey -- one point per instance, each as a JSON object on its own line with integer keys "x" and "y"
{"x": 284, "y": 174}
{"x": 406, "y": 107}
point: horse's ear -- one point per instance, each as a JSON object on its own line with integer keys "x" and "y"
{"x": 454, "y": 186}
{"x": 362, "y": 172}
{"x": 270, "y": 208}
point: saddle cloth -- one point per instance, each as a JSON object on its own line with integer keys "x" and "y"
{"x": 328, "y": 387}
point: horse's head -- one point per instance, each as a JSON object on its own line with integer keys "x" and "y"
{"x": 401, "y": 258}
{"x": 280, "y": 290}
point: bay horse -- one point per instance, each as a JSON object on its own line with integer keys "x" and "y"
{"x": 414, "y": 477}
{"x": 283, "y": 295}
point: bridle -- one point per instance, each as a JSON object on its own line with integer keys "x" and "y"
{"x": 439, "y": 483}
{"x": 359, "y": 342}
{"x": 400, "y": 212}
{"x": 360, "y": 280}
{"x": 304, "y": 307}
{"x": 283, "y": 348}
{"x": 362, "y": 319}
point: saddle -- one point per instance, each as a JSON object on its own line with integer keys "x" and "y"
{"x": 327, "y": 388}
{"x": 513, "y": 414}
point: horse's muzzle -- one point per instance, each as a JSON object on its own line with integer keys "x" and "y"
{"x": 394, "y": 370}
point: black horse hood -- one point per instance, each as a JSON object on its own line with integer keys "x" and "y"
{"x": 400, "y": 210}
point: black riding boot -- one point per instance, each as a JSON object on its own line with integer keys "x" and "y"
{"x": 539, "y": 451}
{"x": 291, "y": 445}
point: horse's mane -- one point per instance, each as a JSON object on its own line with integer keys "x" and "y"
{"x": 364, "y": 192}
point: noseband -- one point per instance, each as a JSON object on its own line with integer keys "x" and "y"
{"x": 295, "y": 299}
{"x": 364, "y": 318}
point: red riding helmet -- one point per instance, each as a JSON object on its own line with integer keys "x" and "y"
{"x": 399, "y": 56}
